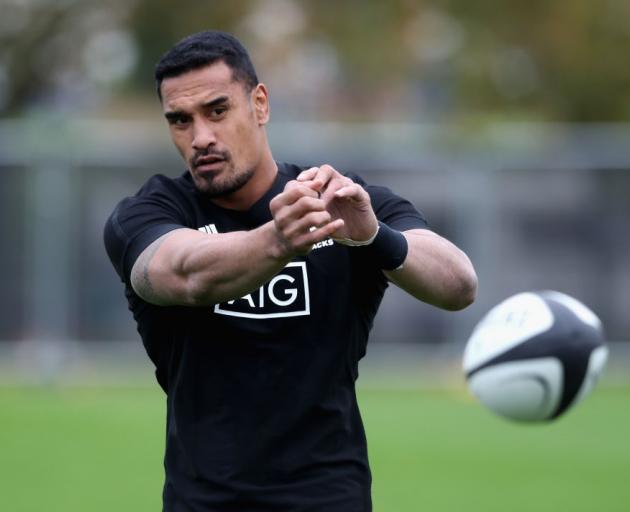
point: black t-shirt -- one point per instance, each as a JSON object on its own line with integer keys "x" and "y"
{"x": 261, "y": 406}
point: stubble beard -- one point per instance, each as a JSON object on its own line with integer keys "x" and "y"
{"x": 223, "y": 184}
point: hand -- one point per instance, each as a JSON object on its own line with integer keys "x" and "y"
{"x": 300, "y": 219}
{"x": 344, "y": 200}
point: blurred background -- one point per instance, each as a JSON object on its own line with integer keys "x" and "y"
{"x": 506, "y": 123}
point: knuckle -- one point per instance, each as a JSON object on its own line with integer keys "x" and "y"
{"x": 316, "y": 218}
{"x": 291, "y": 185}
{"x": 281, "y": 218}
{"x": 275, "y": 204}
{"x": 290, "y": 233}
{"x": 308, "y": 203}
{"x": 300, "y": 190}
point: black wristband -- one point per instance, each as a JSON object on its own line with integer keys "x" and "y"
{"x": 389, "y": 248}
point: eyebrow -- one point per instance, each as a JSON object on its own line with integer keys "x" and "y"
{"x": 178, "y": 114}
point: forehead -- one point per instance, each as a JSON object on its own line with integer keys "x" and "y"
{"x": 198, "y": 86}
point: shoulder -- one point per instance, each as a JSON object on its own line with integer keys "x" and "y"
{"x": 390, "y": 207}
{"x": 159, "y": 185}
{"x": 159, "y": 192}
{"x": 161, "y": 205}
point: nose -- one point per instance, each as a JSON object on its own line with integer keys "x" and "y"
{"x": 203, "y": 135}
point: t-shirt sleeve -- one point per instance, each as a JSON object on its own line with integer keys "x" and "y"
{"x": 398, "y": 213}
{"x": 136, "y": 223}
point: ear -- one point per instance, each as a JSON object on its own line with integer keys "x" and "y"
{"x": 260, "y": 102}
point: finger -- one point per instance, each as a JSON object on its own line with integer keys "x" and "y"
{"x": 293, "y": 191}
{"x": 309, "y": 188}
{"x": 319, "y": 234}
{"x": 318, "y": 176}
{"x": 329, "y": 192}
{"x": 325, "y": 231}
{"x": 306, "y": 187}
{"x": 290, "y": 213}
{"x": 307, "y": 174}
{"x": 308, "y": 222}
{"x": 324, "y": 175}
{"x": 335, "y": 184}
{"x": 353, "y": 191}
{"x": 315, "y": 186}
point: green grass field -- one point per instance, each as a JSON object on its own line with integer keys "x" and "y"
{"x": 99, "y": 449}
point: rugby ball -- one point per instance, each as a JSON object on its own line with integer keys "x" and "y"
{"x": 535, "y": 355}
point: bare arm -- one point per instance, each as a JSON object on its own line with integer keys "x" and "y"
{"x": 187, "y": 267}
{"x": 436, "y": 271}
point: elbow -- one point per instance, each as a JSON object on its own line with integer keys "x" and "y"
{"x": 196, "y": 297}
{"x": 200, "y": 287}
{"x": 197, "y": 290}
{"x": 202, "y": 294}
{"x": 463, "y": 293}
{"x": 207, "y": 289}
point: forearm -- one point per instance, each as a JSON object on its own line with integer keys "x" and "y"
{"x": 186, "y": 267}
{"x": 436, "y": 271}
{"x": 191, "y": 268}
{"x": 227, "y": 266}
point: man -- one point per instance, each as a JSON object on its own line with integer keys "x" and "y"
{"x": 254, "y": 285}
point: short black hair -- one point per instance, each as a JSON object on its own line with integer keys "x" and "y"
{"x": 202, "y": 49}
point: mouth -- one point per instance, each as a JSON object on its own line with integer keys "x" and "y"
{"x": 208, "y": 163}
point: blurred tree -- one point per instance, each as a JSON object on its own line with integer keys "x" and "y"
{"x": 360, "y": 59}
{"x": 158, "y": 24}
{"x": 61, "y": 53}
{"x": 565, "y": 59}
{"x": 24, "y": 30}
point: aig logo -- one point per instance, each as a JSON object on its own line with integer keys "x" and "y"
{"x": 285, "y": 295}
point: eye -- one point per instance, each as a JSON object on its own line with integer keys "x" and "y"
{"x": 218, "y": 112}
{"x": 178, "y": 120}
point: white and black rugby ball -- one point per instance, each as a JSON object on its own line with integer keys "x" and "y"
{"x": 535, "y": 355}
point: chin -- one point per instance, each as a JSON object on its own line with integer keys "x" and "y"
{"x": 223, "y": 188}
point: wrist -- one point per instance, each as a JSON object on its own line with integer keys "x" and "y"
{"x": 274, "y": 245}
{"x": 358, "y": 243}
{"x": 388, "y": 248}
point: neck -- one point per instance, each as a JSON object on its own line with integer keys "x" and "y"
{"x": 261, "y": 181}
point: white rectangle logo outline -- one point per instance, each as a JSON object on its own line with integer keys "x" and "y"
{"x": 307, "y": 302}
